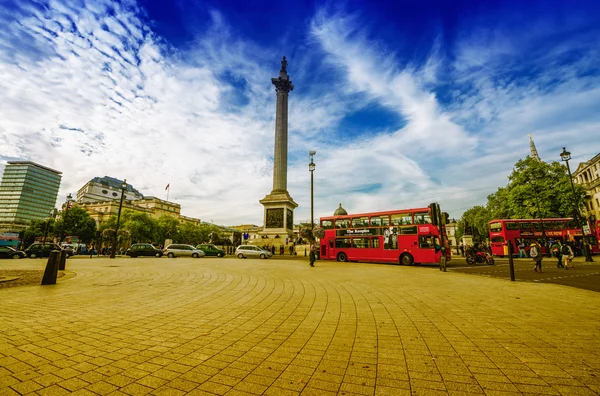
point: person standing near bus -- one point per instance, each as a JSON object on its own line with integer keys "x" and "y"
{"x": 567, "y": 255}
{"x": 535, "y": 252}
{"x": 313, "y": 249}
{"x": 522, "y": 252}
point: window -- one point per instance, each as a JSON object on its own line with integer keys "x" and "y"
{"x": 115, "y": 194}
{"x": 525, "y": 225}
{"x": 426, "y": 242}
{"x": 358, "y": 222}
{"x": 512, "y": 225}
{"x": 537, "y": 226}
{"x": 375, "y": 243}
{"x": 327, "y": 224}
{"x": 342, "y": 243}
{"x": 402, "y": 219}
{"x": 498, "y": 239}
{"x": 360, "y": 243}
{"x": 104, "y": 192}
{"x": 376, "y": 221}
{"x": 422, "y": 218}
{"x": 342, "y": 223}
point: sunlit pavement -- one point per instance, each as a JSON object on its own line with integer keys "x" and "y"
{"x": 280, "y": 327}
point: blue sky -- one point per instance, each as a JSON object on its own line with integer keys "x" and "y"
{"x": 405, "y": 102}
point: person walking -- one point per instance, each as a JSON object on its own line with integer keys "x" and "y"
{"x": 567, "y": 255}
{"x": 535, "y": 252}
{"x": 313, "y": 249}
{"x": 557, "y": 251}
{"x": 522, "y": 252}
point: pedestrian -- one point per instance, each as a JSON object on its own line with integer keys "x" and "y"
{"x": 557, "y": 252}
{"x": 312, "y": 253}
{"x": 273, "y": 249}
{"x": 535, "y": 252}
{"x": 281, "y": 250}
{"x": 567, "y": 255}
{"x": 522, "y": 252}
{"x": 91, "y": 251}
{"x": 462, "y": 249}
{"x": 291, "y": 250}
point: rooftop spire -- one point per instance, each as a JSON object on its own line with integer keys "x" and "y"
{"x": 534, "y": 153}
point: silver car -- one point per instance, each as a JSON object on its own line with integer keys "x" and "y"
{"x": 244, "y": 251}
{"x": 179, "y": 250}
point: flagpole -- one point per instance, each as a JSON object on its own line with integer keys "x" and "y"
{"x": 168, "y": 189}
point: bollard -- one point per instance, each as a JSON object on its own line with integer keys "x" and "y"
{"x": 304, "y": 252}
{"x": 62, "y": 260}
{"x": 51, "y": 272}
{"x": 511, "y": 265}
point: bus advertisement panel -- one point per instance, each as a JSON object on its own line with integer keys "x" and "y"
{"x": 399, "y": 236}
{"x": 515, "y": 231}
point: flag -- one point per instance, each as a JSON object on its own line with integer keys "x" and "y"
{"x": 168, "y": 185}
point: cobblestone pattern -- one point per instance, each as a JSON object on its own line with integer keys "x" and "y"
{"x": 252, "y": 327}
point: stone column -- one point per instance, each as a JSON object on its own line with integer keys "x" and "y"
{"x": 283, "y": 86}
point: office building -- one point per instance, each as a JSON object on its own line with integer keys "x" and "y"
{"x": 28, "y": 192}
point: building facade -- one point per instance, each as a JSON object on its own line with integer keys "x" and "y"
{"x": 28, "y": 191}
{"x": 588, "y": 176}
{"x": 105, "y": 188}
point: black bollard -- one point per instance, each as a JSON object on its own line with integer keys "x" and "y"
{"x": 51, "y": 272}
{"x": 511, "y": 265}
{"x": 62, "y": 260}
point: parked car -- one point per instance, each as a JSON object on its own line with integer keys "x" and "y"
{"x": 244, "y": 251}
{"x": 143, "y": 249}
{"x": 41, "y": 249}
{"x": 11, "y": 253}
{"x": 211, "y": 250}
{"x": 179, "y": 250}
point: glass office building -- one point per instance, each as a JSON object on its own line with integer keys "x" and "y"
{"x": 28, "y": 192}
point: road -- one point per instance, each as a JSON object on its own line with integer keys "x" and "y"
{"x": 583, "y": 276}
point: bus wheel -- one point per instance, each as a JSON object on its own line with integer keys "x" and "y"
{"x": 342, "y": 257}
{"x": 406, "y": 259}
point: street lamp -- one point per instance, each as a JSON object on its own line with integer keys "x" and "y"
{"x": 566, "y": 156}
{"x": 114, "y": 245}
{"x": 311, "y": 168}
{"x": 64, "y": 217}
{"x": 533, "y": 180}
{"x": 52, "y": 215}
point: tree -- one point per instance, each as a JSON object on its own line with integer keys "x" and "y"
{"x": 140, "y": 225}
{"x": 190, "y": 233}
{"x": 477, "y": 219}
{"x": 166, "y": 227}
{"x": 76, "y": 221}
{"x": 36, "y": 228}
{"x": 535, "y": 189}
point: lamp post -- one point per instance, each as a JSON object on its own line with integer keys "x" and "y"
{"x": 311, "y": 168}
{"x": 52, "y": 215}
{"x": 114, "y": 245}
{"x": 566, "y": 156}
{"x": 67, "y": 204}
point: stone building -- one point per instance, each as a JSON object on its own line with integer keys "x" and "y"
{"x": 104, "y": 189}
{"x": 588, "y": 176}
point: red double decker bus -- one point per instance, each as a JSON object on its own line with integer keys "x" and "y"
{"x": 514, "y": 231}
{"x": 398, "y": 236}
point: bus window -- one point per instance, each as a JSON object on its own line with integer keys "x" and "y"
{"x": 331, "y": 243}
{"x": 426, "y": 242}
{"x": 360, "y": 243}
{"x": 525, "y": 225}
{"x": 537, "y": 226}
{"x": 342, "y": 243}
{"x": 558, "y": 225}
{"x": 385, "y": 220}
{"x": 512, "y": 225}
{"x": 358, "y": 222}
{"x": 375, "y": 243}
{"x": 499, "y": 239}
{"x": 327, "y": 224}
{"x": 376, "y": 221}
{"x": 571, "y": 224}
{"x": 396, "y": 219}
{"x": 422, "y": 218}
{"x": 496, "y": 226}
{"x": 548, "y": 225}
{"x": 406, "y": 219}
{"x": 342, "y": 223}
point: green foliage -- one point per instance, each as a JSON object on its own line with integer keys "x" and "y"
{"x": 36, "y": 228}
{"x": 140, "y": 225}
{"x": 536, "y": 189}
{"x": 75, "y": 221}
{"x": 167, "y": 227}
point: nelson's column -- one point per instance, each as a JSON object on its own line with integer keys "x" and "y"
{"x": 279, "y": 206}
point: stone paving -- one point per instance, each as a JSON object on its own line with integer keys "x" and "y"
{"x": 275, "y": 327}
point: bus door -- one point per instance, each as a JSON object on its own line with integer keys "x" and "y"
{"x": 429, "y": 247}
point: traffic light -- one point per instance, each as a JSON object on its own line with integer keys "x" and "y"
{"x": 445, "y": 217}
{"x": 433, "y": 207}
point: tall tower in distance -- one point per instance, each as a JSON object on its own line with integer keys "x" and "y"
{"x": 534, "y": 153}
{"x": 278, "y": 220}
{"x": 28, "y": 192}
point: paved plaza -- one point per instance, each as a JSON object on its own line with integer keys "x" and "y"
{"x": 278, "y": 327}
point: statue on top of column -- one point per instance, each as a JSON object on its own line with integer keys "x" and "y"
{"x": 284, "y": 65}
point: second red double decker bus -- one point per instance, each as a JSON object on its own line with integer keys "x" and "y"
{"x": 398, "y": 236}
